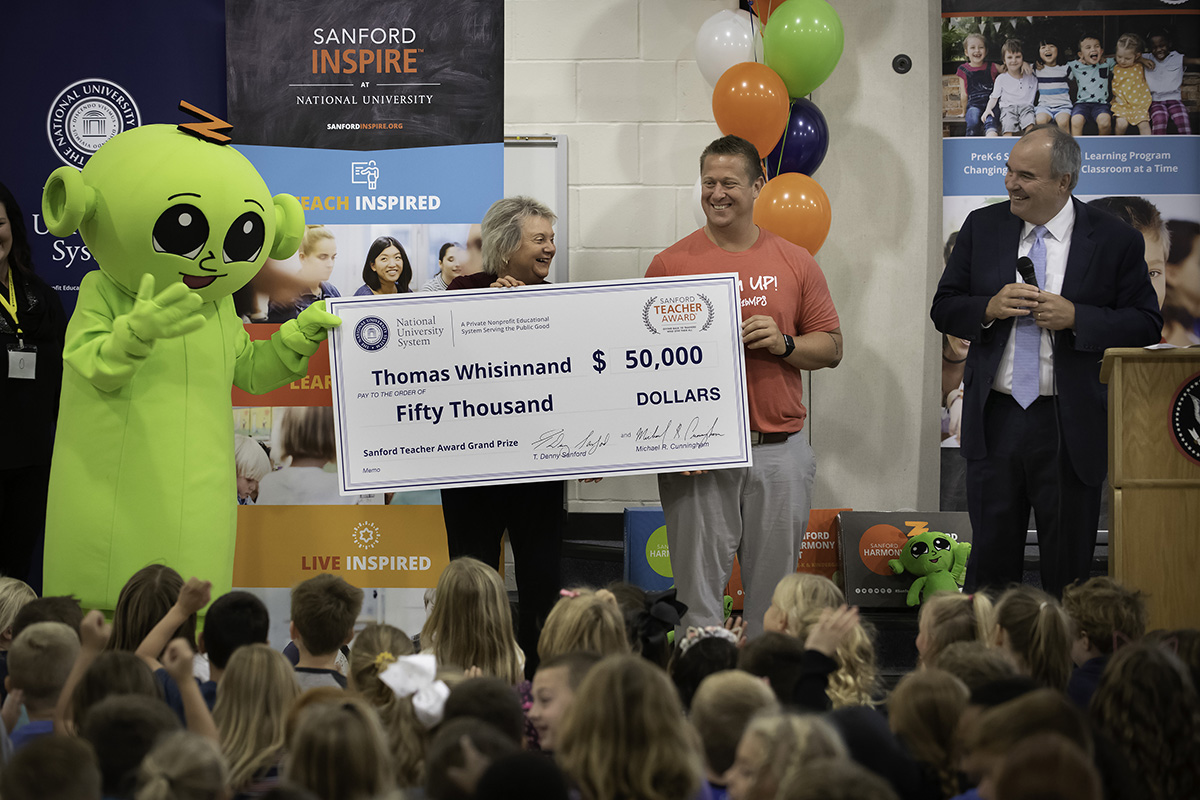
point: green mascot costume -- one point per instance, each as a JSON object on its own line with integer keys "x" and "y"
{"x": 143, "y": 469}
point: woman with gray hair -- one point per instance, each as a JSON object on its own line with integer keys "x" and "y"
{"x": 518, "y": 246}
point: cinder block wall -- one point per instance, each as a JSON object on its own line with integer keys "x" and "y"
{"x": 618, "y": 77}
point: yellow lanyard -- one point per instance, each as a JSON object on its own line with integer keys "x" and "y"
{"x": 10, "y": 305}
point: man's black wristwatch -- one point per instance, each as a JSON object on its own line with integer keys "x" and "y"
{"x": 789, "y": 344}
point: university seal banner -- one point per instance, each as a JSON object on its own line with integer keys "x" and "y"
{"x": 82, "y": 73}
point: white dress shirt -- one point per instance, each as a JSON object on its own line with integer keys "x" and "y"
{"x": 1058, "y": 246}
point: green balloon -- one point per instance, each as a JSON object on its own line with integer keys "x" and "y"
{"x": 803, "y": 42}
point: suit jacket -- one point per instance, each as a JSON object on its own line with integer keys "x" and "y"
{"x": 1115, "y": 306}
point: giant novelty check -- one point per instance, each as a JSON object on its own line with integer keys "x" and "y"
{"x": 470, "y": 388}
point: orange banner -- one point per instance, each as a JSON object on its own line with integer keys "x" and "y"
{"x": 822, "y": 540}
{"x": 818, "y": 552}
{"x": 378, "y": 546}
{"x": 312, "y": 390}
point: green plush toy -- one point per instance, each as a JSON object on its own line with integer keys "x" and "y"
{"x": 143, "y": 467}
{"x": 939, "y": 561}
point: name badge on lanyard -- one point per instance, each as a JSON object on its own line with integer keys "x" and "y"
{"x": 22, "y": 358}
{"x": 22, "y": 361}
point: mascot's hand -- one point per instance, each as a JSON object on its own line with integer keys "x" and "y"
{"x": 170, "y": 313}
{"x": 314, "y": 322}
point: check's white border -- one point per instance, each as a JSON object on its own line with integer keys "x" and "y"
{"x": 340, "y": 337}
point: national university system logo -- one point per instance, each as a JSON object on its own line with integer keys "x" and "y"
{"x": 87, "y": 114}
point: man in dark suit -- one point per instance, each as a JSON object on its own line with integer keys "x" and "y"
{"x": 1034, "y": 427}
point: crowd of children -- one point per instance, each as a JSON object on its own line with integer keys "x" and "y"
{"x": 1012, "y": 696}
{"x": 1139, "y": 85}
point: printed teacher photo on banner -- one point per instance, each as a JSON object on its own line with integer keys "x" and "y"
{"x": 387, "y": 269}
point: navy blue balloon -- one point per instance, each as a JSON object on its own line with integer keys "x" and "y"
{"x": 804, "y": 143}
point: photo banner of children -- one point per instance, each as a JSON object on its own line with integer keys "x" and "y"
{"x": 398, "y": 218}
{"x": 1127, "y": 85}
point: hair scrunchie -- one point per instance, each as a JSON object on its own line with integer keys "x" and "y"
{"x": 695, "y": 635}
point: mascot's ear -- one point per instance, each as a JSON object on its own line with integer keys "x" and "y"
{"x": 289, "y": 226}
{"x": 67, "y": 201}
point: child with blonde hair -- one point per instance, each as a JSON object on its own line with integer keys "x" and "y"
{"x": 722, "y": 707}
{"x": 950, "y": 617}
{"x": 583, "y": 620}
{"x": 471, "y": 622}
{"x": 799, "y": 606}
{"x": 976, "y": 78}
{"x": 924, "y": 712}
{"x": 340, "y": 752}
{"x": 1131, "y": 95}
{"x": 14, "y": 594}
{"x": 251, "y": 463}
{"x": 183, "y": 766}
{"x": 375, "y": 649}
{"x": 258, "y": 689}
{"x": 775, "y": 750}
{"x": 1032, "y": 626}
{"x": 625, "y": 735}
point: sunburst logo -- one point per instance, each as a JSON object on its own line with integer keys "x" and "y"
{"x": 366, "y": 535}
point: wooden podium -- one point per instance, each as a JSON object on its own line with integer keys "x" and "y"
{"x": 1154, "y": 517}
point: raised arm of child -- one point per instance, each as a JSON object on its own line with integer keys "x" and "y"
{"x": 93, "y": 636}
{"x": 194, "y": 596}
{"x": 177, "y": 661}
{"x": 820, "y": 656}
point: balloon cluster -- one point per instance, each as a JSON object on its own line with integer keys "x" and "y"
{"x": 800, "y": 42}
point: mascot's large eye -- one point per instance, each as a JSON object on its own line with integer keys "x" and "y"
{"x": 918, "y": 549}
{"x": 940, "y": 543}
{"x": 181, "y": 230}
{"x": 245, "y": 238}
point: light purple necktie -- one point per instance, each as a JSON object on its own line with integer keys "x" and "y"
{"x": 1028, "y": 344}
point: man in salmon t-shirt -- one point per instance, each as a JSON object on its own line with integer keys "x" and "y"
{"x": 789, "y": 324}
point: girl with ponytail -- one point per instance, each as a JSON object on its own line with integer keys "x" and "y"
{"x": 1032, "y": 626}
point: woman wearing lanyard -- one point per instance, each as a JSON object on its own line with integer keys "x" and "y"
{"x": 32, "y": 328}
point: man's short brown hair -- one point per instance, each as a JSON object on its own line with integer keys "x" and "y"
{"x": 324, "y": 609}
{"x": 735, "y": 146}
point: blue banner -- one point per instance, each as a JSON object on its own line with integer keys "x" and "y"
{"x": 418, "y": 185}
{"x": 82, "y": 73}
{"x": 1112, "y": 165}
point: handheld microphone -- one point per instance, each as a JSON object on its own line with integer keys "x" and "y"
{"x": 1025, "y": 267}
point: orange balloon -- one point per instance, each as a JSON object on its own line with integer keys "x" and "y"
{"x": 751, "y": 101}
{"x": 794, "y": 206}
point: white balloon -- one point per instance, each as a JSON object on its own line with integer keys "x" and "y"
{"x": 698, "y": 205}
{"x": 726, "y": 38}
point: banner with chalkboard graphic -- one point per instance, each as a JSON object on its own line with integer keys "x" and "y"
{"x": 366, "y": 74}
